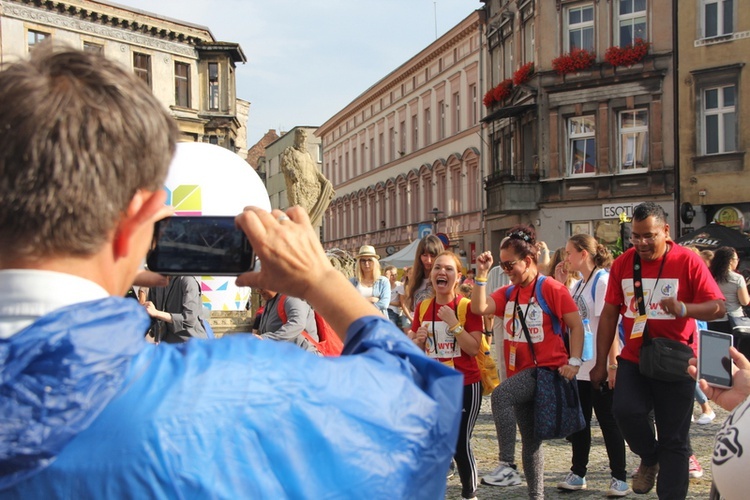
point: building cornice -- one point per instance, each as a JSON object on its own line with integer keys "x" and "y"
{"x": 113, "y": 23}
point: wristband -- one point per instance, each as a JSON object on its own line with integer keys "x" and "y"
{"x": 683, "y": 310}
{"x": 456, "y": 329}
{"x": 572, "y": 361}
{"x": 613, "y": 366}
{"x": 481, "y": 283}
{"x": 480, "y": 280}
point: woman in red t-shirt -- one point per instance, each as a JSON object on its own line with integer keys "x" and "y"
{"x": 448, "y": 331}
{"x": 513, "y": 399}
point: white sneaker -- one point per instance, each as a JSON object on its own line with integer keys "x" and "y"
{"x": 572, "y": 482}
{"x": 706, "y": 418}
{"x": 503, "y": 475}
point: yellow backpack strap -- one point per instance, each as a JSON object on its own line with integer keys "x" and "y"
{"x": 463, "y": 305}
{"x": 423, "y": 306}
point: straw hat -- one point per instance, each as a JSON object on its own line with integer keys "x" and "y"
{"x": 367, "y": 251}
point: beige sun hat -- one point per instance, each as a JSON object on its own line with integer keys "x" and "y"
{"x": 367, "y": 251}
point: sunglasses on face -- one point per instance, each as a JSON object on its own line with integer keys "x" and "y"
{"x": 508, "y": 265}
{"x": 365, "y": 260}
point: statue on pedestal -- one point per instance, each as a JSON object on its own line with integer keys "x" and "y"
{"x": 306, "y": 186}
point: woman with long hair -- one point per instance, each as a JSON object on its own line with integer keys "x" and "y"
{"x": 420, "y": 287}
{"x": 723, "y": 268}
{"x": 368, "y": 280}
{"x": 592, "y": 260}
{"x": 518, "y": 305}
{"x": 560, "y": 270}
{"x": 448, "y": 331}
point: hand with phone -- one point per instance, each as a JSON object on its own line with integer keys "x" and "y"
{"x": 740, "y": 390}
{"x": 714, "y": 364}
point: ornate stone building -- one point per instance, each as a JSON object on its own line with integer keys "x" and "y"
{"x": 187, "y": 69}
{"x": 404, "y": 157}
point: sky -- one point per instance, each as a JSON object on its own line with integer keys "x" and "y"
{"x": 306, "y": 60}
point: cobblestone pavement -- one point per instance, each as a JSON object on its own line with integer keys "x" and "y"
{"x": 557, "y": 455}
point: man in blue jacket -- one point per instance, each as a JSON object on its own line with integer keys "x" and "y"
{"x": 91, "y": 410}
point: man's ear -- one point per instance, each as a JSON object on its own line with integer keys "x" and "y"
{"x": 145, "y": 208}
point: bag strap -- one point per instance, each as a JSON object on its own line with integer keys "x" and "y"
{"x": 556, "y": 325}
{"x": 598, "y": 275}
{"x": 526, "y": 332}
{"x": 423, "y": 306}
{"x": 638, "y": 291}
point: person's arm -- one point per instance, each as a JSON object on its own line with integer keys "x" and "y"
{"x": 706, "y": 311}
{"x": 470, "y": 337}
{"x": 405, "y": 307}
{"x": 605, "y": 336}
{"x": 187, "y": 319}
{"x": 296, "y": 316}
{"x": 573, "y": 321}
{"x": 294, "y": 263}
{"x": 742, "y": 295}
{"x": 384, "y": 297}
{"x": 479, "y": 303}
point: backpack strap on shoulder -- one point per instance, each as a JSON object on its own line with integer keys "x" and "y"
{"x": 598, "y": 275}
{"x": 423, "y": 306}
{"x": 556, "y": 326}
{"x": 280, "y": 308}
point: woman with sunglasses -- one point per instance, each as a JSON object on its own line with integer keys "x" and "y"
{"x": 368, "y": 280}
{"x": 513, "y": 399}
{"x": 592, "y": 260}
{"x": 446, "y": 330}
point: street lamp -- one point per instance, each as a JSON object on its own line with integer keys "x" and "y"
{"x": 435, "y": 216}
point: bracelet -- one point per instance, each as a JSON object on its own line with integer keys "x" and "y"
{"x": 683, "y": 310}
{"x": 480, "y": 280}
{"x": 613, "y": 366}
{"x": 480, "y": 283}
{"x": 456, "y": 329}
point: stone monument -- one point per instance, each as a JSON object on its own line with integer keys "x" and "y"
{"x": 306, "y": 186}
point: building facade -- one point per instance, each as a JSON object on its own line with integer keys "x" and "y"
{"x": 187, "y": 69}
{"x": 405, "y": 156}
{"x": 581, "y": 114}
{"x": 714, "y": 48}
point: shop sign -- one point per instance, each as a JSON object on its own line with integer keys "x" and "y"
{"x": 730, "y": 217}
{"x": 613, "y": 210}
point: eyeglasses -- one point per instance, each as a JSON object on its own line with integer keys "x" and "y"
{"x": 645, "y": 239}
{"x": 508, "y": 265}
{"x": 365, "y": 260}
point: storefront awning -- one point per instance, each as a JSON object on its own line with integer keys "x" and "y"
{"x": 507, "y": 112}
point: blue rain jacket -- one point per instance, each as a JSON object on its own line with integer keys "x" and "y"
{"x": 91, "y": 410}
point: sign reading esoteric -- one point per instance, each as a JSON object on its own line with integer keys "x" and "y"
{"x": 613, "y": 210}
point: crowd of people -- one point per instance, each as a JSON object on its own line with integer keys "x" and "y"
{"x": 94, "y": 410}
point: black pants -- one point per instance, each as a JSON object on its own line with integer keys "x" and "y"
{"x": 672, "y": 404}
{"x": 601, "y": 403}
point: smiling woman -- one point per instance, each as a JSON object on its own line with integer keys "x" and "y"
{"x": 448, "y": 331}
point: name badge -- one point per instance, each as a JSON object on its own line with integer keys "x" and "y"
{"x": 639, "y": 326}
{"x": 512, "y": 358}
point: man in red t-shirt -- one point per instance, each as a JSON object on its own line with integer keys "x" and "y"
{"x": 677, "y": 290}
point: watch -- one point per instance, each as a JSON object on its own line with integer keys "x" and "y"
{"x": 575, "y": 361}
{"x": 456, "y": 329}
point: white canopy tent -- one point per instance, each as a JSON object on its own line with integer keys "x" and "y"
{"x": 402, "y": 258}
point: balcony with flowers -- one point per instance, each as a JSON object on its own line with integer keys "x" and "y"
{"x": 575, "y": 61}
{"x": 628, "y": 55}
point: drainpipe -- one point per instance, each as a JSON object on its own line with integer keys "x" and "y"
{"x": 676, "y": 119}
{"x": 482, "y": 161}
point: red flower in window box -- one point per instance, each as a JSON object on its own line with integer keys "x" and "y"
{"x": 523, "y": 74}
{"x": 502, "y": 91}
{"x": 576, "y": 60}
{"x": 489, "y": 98}
{"x": 628, "y": 55}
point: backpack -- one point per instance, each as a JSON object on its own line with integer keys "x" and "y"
{"x": 596, "y": 280}
{"x": 329, "y": 343}
{"x": 485, "y": 363}
{"x": 556, "y": 325}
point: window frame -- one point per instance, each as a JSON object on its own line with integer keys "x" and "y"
{"x": 572, "y": 137}
{"x": 622, "y": 133}
{"x": 583, "y": 25}
{"x": 141, "y": 71}
{"x": 631, "y": 18}
{"x": 214, "y": 87}
{"x": 39, "y": 37}
{"x": 182, "y": 85}
{"x": 720, "y": 111}
{"x": 720, "y": 18}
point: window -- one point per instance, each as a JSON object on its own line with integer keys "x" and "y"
{"x": 381, "y": 150}
{"x": 427, "y": 127}
{"x": 372, "y": 152}
{"x": 354, "y": 161}
{"x": 35, "y": 37}
{"x": 182, "y": 84}
{"x": 508, "y": 58}
{"x": 93, "y": 47}
{"x": 362, "y": 157}
{"x": 456, "y": 113}
{"x": 719, "y": 120}
{"x": 718, "y": 17}
{"x": 402, "y": 138}
{"x": 528, "y": 41}
{"x": 632, "y": 21}
{"x": 441, "y": 124}
{"x": 213, "y": 86}
{"x": 142, "y": 67}
{"x": 474, "y": 102}
{"x": 392, "y": 144}
{"x": 633, "y": 130}
{"x": 582, "y": 145}
{"x": 581, "y": 28}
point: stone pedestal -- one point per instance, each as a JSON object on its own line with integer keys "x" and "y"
{"x": 228, "y": 322}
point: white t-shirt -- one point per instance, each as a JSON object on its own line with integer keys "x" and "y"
{"x": 396, "y": 293}
{"x": 590, "y": 307}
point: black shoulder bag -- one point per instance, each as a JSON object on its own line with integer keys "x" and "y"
{"x": 660, "y": 358}
{"x": 557, "y": 407}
